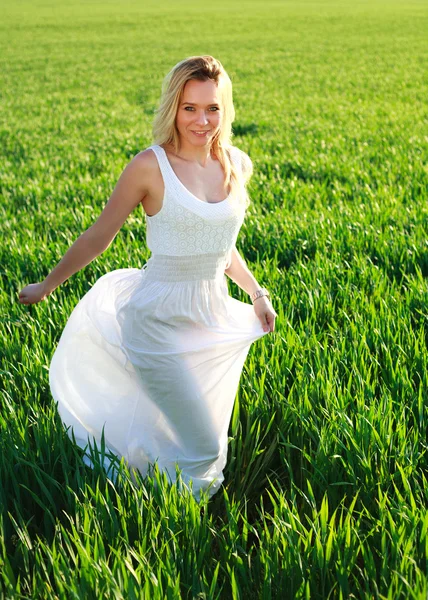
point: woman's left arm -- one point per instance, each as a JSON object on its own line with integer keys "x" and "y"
{"x": 242, "y": 276}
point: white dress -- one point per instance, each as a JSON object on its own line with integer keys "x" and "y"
{"x": 154, "y": 356}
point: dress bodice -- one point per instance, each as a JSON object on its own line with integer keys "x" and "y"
{"x": 186, "y": 225}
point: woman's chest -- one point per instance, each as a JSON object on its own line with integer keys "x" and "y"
{"x": 205, "y": 183}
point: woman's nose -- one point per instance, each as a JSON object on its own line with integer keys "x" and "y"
{"x": 201, "y": 118}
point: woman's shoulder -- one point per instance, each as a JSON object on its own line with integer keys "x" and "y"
{"x": 145, "y": 167}
{"x": 146, "y": 160}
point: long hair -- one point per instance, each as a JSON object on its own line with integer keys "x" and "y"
{"x": 201, "y": 68}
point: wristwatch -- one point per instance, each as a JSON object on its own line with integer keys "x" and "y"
{"x": 259, "y": 294}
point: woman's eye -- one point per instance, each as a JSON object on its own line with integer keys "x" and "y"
{"x": 212, "y": 109}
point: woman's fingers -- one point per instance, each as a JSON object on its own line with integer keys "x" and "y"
{"x": 267, "y": 320}
{"x": 32, "y": 293}
{"x": 265, "y": 313}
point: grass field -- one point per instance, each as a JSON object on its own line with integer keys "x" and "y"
{"x": 325, "y": 493}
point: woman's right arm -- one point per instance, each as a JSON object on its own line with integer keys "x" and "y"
{"x": 131, "y": 188}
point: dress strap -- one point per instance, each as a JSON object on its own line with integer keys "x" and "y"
{"x": 164, "y": 165}
{"x": 235, "y": 157}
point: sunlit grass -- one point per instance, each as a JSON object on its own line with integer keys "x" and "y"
{"x": 325, "y": 493}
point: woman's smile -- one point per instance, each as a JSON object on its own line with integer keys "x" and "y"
{"x": 201, "y": 133}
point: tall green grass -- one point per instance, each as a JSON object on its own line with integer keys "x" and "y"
{"x": 325, "y": 493}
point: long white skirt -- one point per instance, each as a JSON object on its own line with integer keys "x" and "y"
{"x": 154, "y": 357}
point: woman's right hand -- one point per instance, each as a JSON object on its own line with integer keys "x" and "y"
{"x": 33, "y": 293}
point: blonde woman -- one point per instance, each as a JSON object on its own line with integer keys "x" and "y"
{"x": 151, "y": 358}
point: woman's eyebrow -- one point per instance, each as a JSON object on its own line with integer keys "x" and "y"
{"x": 193, "y": 103}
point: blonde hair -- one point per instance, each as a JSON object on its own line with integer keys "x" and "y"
{"x": 202, "y": 68}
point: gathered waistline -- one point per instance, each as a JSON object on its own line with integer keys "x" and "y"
{"x": 164, "y": 267}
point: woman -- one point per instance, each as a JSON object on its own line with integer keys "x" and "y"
{"x": 151, "y": 358}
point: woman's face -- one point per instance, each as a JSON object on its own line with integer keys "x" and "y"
{"x": 198, "y": 116}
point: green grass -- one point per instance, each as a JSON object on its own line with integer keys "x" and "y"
{"x": 325, "y": 493}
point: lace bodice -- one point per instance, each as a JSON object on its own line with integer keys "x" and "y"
{"x": 186, "y": 225}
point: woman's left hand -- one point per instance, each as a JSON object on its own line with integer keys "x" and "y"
{"x": 265, "y": 312}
